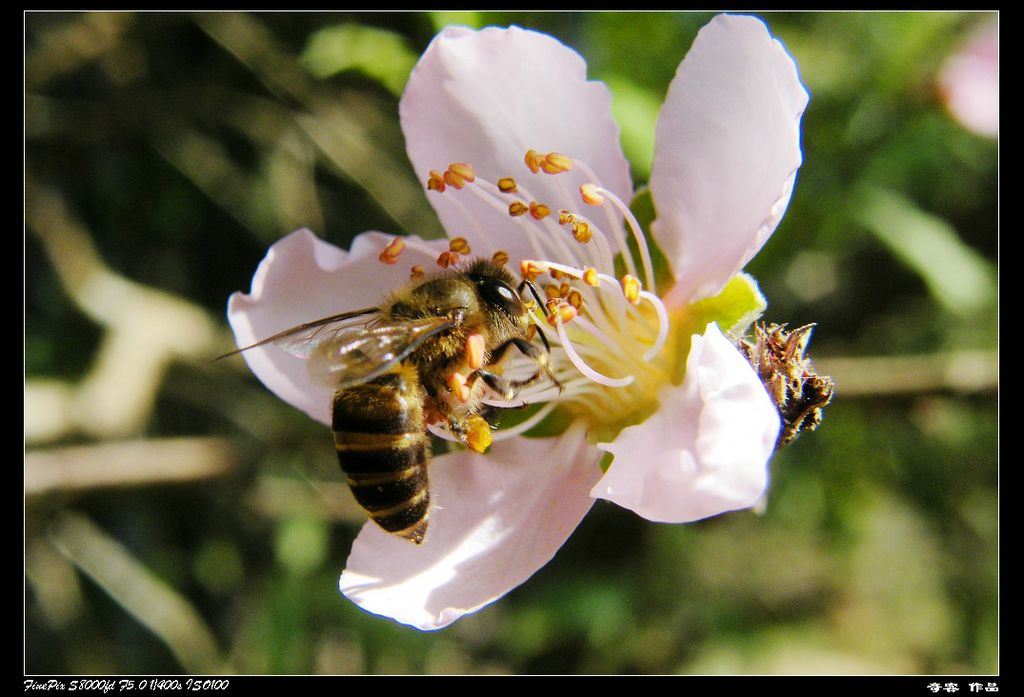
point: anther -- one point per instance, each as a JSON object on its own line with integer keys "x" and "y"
{"x": 581, "y": 232}
{"x": 533, "y": 160}
{"x": 591, "y": 195}
{"x": 507, "y": 185}
{"x": 459, "y": 174}
{"x": 391, "y": 251}
{"x": 459, "y": 245}
{"x": 416, "y": 273}
{"x": 446, "y": 259}
{"x": 556, "y": 274}
{"x": 436, "y": 182}
{"x": 560, "y": 312}
{"x": 530, "y": 269}
{"x": 565, "y": 217}
{"x": 590, "y": 277}
{"x": 631, "y": 288}
{"x": 539, "y": 211}
{"x": 552, "y": 291}
{"x": 575, "y": 299}
{"x": 518, "y": 208}
{"x": 475, "y": 351}
{"x": 500, "y": 257}
{"x": 556, "y": 163}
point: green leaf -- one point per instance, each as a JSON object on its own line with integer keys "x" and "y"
{"x": 959, "y": 279}
{"x": 377, "y": 53}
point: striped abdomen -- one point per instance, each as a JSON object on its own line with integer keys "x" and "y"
{"x": 383, "y": 447}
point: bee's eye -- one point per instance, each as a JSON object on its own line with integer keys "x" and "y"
{"x": 501, "y": 295}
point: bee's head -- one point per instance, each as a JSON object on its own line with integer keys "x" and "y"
{"x": 496, "y": 287}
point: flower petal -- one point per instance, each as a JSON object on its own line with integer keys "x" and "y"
{"x": 495, "y": 520}
{"x": 303, "y": 279}
{"x": 969, "y": 82}
{"x": 705, "y": 451}
{"x": 487, "y": 97}
{"x": 727, "y": 151}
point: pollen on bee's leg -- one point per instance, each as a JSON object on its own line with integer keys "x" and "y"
{"x": 458, "y": 385}
{"x": 478, "y": 433}
{"x": 475, "y": 351}
{"x": 392, "y": 251}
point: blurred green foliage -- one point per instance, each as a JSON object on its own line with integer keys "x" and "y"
{"x": 185, "y": 144}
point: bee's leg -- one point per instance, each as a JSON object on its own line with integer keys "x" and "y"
{"x": 531, "y": 351}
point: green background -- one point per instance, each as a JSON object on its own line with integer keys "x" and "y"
{"x": 179, "y": 518}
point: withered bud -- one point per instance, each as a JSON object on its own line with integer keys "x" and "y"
{"x": 779, "y": 359}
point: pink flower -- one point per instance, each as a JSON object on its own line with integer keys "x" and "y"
{"x": 651, "y": 380}
{"x": 969, "y": 82}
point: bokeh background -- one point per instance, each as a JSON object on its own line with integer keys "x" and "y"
{"x": 180, "y": 519}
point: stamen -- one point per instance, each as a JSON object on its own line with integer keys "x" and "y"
{"x": 591, "y": 195}
{"x": 556, "y": 163}
{"x": 416, "y": 273}
{"x": 560, "y": 312}
{"x": 539, "y": 211}
{"x": 500, "y": 257}
{"x": 581, "y": 365}
{"x": 631, "y": 288}
{"x": 526, "y": 425}
{"x": 459, "y": 245}
{"x": 436, "y": 182}
{"x": 638, "y": 235}
{"x": 590, "y": 277}
{"x": 391, "y": 251}
{"x": 659, "y": 308}
{"x": 533, "y": 160}
{"x": 507, "y": 185}
{"x": 581, "y": 232}
{"x": 446, "y": 259}
{"x": 459, "y": 174}
{"x": 518, "y": 208}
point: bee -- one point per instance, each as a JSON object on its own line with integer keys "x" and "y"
{"x": 424, "y": 357}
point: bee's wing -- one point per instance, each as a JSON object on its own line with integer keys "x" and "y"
{"x": 355, "y": 354}
{"x": 301, "y": 340}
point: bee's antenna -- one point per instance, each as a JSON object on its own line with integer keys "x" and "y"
{"x": 540, "y": 303}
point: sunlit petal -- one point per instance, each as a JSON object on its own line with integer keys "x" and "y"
{"x": 495, "y": 520}
{"x": 706, "y": 449}
{"x": 727, "y": 151}
{"x": 302, "y": 279}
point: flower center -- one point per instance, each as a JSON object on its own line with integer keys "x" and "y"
{"x": 608, "y": 335}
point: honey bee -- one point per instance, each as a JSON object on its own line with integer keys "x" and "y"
{"x": 424, "y": 357}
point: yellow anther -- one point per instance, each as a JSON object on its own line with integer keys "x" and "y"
{"x": 590, "y": 277}
{"x": 581, "y": 232}
{"x": 475, "y": 348}
{"x": 518, "y": 208}
{"x": 462, "y": 170}
{"x": 500, "y": 257}
{"x": 631, "y": 288}
{"x": 457, "y": 384}
{"x": 552, "y": 291}
{"x": 436, "y": 182}
{"x": 590, "y": 195}
{"x": 478, "y": 434}
{"x": 391, "y": 251}
{"x": 446, "y": 259}
{"x": 529, "y": 269}
{"x": 459, "y": 245}
{"x": 416, "y": 273}
{"x": 539, "y": 211}
{"x": 563, "y": 290}
{"x": 575, "y": 299}
{"x": 556, "y": 274}
{"x": 507, "y": 185}
{"x": 560, "y": 311}
{"x": 556, "y": 163}
{"x": 533, "y": 160}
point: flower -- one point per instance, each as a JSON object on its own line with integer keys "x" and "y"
{"x": 968, "y": 82}
{"x": 522, "y": 160}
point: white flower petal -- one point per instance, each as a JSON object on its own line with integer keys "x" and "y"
{"x": 706, "y": 450}
{"x": 727, "y": 151}
{"x": 486, "y": 98}
{"x": 303, "y": 279}
{"x": 494, "y": 521}
{"x": 969, "y": 82}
